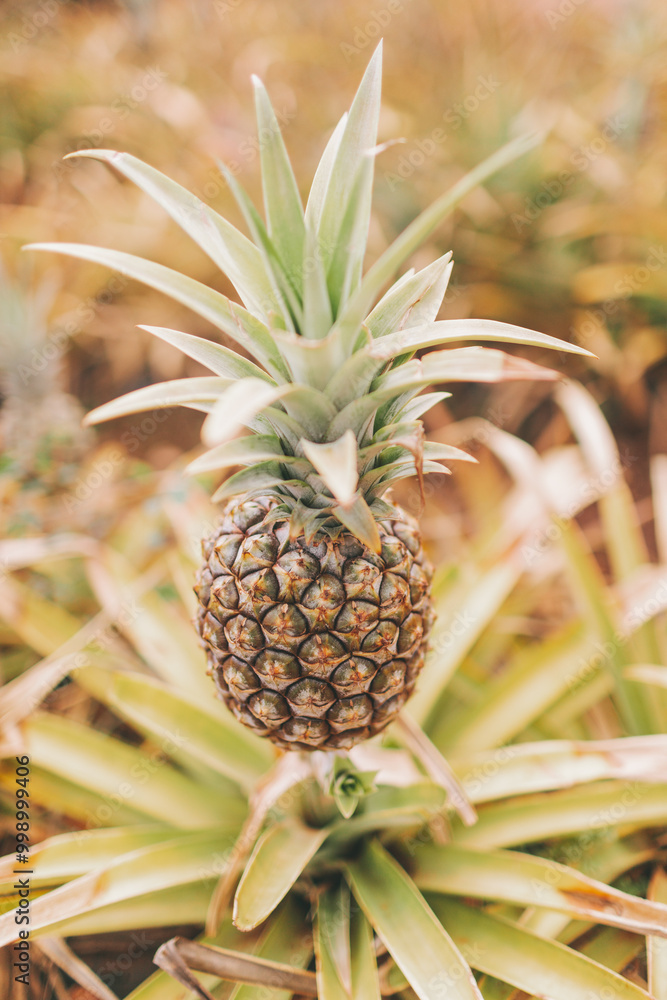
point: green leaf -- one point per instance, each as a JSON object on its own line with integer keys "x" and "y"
{"x": 392, "y": 808}
{"x": 464, "y": 364}
{"x": 365, "y": 979}
{"x": 156, "y": 629}
{"x": 348, "y": 257}
{"x": 317, "y": 313}
{"x": 42, "y": 624}
{"x": 533, "y": 680}
{"x": 523, "y": 768}
{"x": 352, "y": 379}
{"x": 349, "y": 785}
{"x": 288, "y": 934}
{"x": 600, "y": 614}
{"x": 240, "y": 451}
{"x": 277, "y": 861}
{"x": 233, "y": 252}
{"x": 414, "y": 937}
{"x": 429, "y": 304}
{"x": 416, "y": 407}
{"x": 332, "y": 944}
{"x": 318, "y": 188}
{"x": 87, "y": 807}
{"x": 67, "y": 855}
{"x": 243, "y": 400}
{"x": 336, "y": 462}
{"x": 123, "y": 774}
{"x": 534, "y": 964}
{"x": 283, "y": 289}
{"x": 358, "y": 518}
{"x": 310, "y": 361}
{"x": 346, "y": 965}
{"x": 154, "y": 909}
{"x": 523, "y": 879}
{"x": 199, "y": 393}
{"x": 359, "y": 136}
{"x": 477, "y": 601}
{"x": 418, "y": 230}
{"x": 404, "y": 298}
{"x": 241, "y": 326}
{"x": 284, "y": 212}
{"x": 261, "y": 476}
{"x": 444, "y": 331}
{"x": 184, "y": 860}
{"x": 593, "y": 806}
{"x": 215, "y": 357}
{"x": 212, "y": 737}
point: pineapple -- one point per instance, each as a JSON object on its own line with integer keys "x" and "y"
{"x": 314, "y": 597}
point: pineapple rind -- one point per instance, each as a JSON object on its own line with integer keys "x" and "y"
{"x": 313, "y": 642}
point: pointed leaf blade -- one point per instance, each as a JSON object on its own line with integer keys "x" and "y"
{"x": 233, "y": 252}
{"x": 465, "y": 364}
{"x": 359, "y": 136}
{"x": 240, "y": 325}
{"x": 284, "y": 212}
{"x": 235, "y": 408}
{"x": 526, "y": 880}
{"x": 218, "y": 359}
{"x": 365, "y": 978}
{"x": 318, "y": 188}
{"x": 416, "y": 337}
{"x": 280, "y": 856}
{"x": 358, "y": 518}
{"x": 418, "y": 230}
{"x": 197, "y": 393}
{"x": 400, "y": 303}
{"x": 242, "y": 451}
{"x": 336, "y": 462}
{"x": 536, "y": 965}
{"x": 415, "y": 938}
{"x": 332, "y": 944}
{"x": 159, "y": 711}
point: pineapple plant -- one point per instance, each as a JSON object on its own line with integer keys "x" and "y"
{"x": 314, "y": 601}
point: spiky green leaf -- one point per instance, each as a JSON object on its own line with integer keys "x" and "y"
{"x": 415, "y": 938}
{"x": 277, "y": 861}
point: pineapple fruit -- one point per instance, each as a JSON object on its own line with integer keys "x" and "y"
{"x": 314, "y": 597}
{"x": 314, "y": 641}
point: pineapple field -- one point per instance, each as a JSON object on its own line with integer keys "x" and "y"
{"x": 333, "y": 562}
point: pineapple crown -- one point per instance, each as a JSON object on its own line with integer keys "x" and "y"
{"x": 332, "y": 395}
